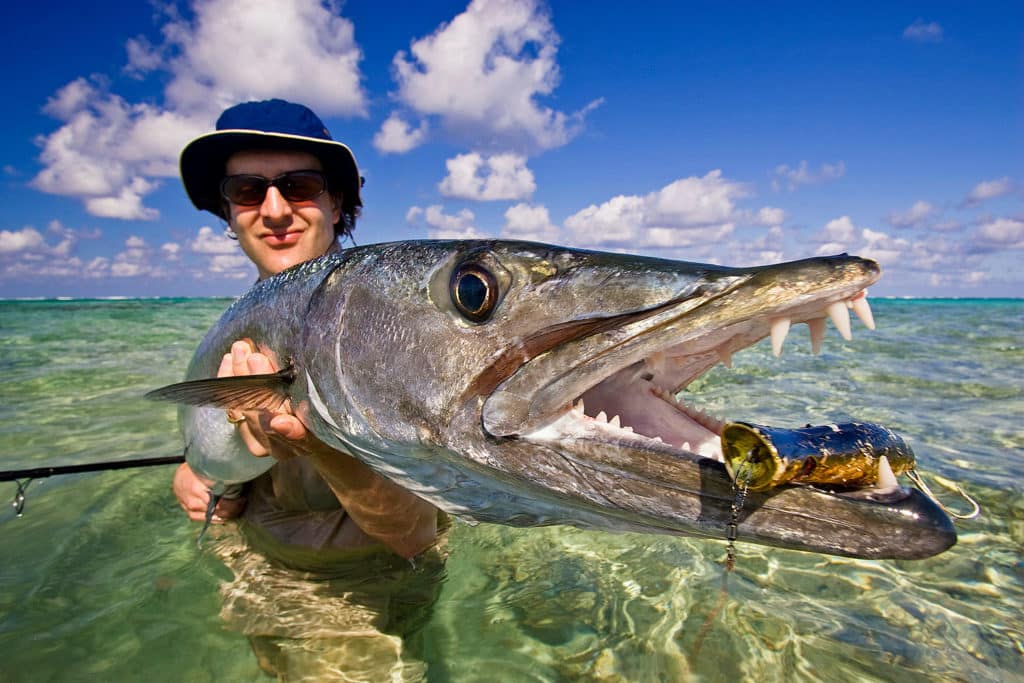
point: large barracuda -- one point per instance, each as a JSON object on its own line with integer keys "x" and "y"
{"x": 481, "y": 375}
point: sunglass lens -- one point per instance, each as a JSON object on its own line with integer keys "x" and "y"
{"x": 245, "y": 190}
{"x": 301, "y": 186}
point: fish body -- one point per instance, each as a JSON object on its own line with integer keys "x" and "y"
{"x": 528, "y": 384}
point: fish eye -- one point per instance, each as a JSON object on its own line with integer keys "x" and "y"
{"x": 474, "y": 291}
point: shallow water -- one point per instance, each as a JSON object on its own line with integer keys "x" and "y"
{"x": 101, "y": 578}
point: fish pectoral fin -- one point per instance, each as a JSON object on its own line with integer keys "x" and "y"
{"x": 251, "y": 392}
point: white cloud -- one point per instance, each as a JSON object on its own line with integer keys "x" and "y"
{"x": 923, "y": 32}
{"x": 840, "y": 229}
{"x": 235, "y": 266}
{"x": 792, "y": 178}
{"x": 108, "y": 149}
{"x": 988, "y": 189}
{"x": 912, "y": 217}
{"x": 1000, "y": 233}
{"x": 142, "y": 57}
{"x": 171, "y": 251}
{"x": 26, "y": 239}
{"x": 445, "y": 226}
{"x": 754, "y": 252}
{"x": 396, "y": 135}
{"x": 127, "y": 205}
{"x": 209, "y": 242}
{"x": 232, "y": 50}
{"x": 483, "y": 72}
{"x": 770, "y": 215}
{"x": 525, "y": 222}
{"x": 500, "y": 176}
{"x": 689, "y": 211}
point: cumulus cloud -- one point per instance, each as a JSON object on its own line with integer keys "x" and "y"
{"x": 127, "y": 204}
{"x": 445, "y": 226}
{"x": 500, "y": 176}
{"x": 171, "y": 251}
{"x": 769, "y": 215}
{"x": 783, "y": 176}
{"x": 253, "y": 49}
{"x": 988, "y": 189}
{"x": 838, "y": 235}
{"x": 913, "y": 217}
{"x": 209, "y": 242}
{"x": 24, "y": 240}
{"x": 1000, "y": 233}
{"x": 108, "y": 150}
{"x": 397, "y": 136}
{"x": 923, "y": 31}
{"x": 483, "y": 73}
{"x": 688, "y": 211}
{"x": 525, "y": 222}
{"x": 756, "y": 251}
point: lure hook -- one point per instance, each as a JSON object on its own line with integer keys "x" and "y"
{"x": 918, "y": 480}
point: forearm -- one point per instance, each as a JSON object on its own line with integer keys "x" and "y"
{"x": 384, "y": 510}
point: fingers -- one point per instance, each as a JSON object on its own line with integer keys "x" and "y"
{"x": 193, "y": 496}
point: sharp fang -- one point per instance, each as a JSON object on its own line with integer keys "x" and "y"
{"x": 817, "y": 328}
{"x": 725, "y": 357}
{"x": 841, "y": 319}
{"x": 863, "y": 310}
{"x": 780, "y": 328}
{"x": 686, "y": 445}
{"x": 578, "y": 406}
{"x": 602, "y": 416}
{"x": 886, "y": 479}
{"x": 615, "y": 422}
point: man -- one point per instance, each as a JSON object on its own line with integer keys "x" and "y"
{"x": 288, "y": 192}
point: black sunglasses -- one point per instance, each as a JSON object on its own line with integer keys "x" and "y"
{"x": 295, "y": 186}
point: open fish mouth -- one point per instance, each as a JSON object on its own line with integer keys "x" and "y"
{"x": 603, "y": 393}
{"x": 608, "y": 392}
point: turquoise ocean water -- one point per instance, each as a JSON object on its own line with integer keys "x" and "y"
{"x": 101, "y": 579}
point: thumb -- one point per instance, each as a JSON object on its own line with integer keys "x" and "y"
{"x": 289, "y": 427}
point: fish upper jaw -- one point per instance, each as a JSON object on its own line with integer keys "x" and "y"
{"x": 633, "y": 370}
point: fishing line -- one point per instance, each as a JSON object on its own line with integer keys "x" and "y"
{"x": 740, "y": 487}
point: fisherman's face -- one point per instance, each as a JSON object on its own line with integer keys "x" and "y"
{"x": 277, "y": 234}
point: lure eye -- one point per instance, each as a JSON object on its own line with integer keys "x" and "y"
{"x": 474, "y": 291}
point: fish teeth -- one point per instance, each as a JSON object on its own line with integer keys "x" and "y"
{"x": 817, "y": 328}
{"x": 780, "y": 328}
{"x": 578, "y": 406}
{"x": 725, "y": 356}
{"x": 841, "y": 319}
{"x": 861, "y": 307}
{"x": 886, "y": 478}
{"x": 615, "y": 422}
{"x": 602, "y": 416}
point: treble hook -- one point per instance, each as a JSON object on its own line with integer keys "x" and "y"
{"x": 918, "y": 480}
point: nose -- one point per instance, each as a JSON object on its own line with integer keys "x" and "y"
{"x": 275, "y": 210}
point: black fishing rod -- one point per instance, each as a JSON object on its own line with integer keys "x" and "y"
{"x": 24, "y": 477}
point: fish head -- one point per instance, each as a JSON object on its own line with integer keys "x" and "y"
{"x": 552, "y": 374}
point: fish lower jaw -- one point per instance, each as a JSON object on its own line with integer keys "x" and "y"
{"x": 650, "y": 419}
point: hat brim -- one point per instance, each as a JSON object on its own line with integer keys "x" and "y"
{"x": 203, "y": 163}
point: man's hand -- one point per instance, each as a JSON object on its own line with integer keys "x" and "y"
{"x": 278, "y": 433}
{"x": 193, "y": 496}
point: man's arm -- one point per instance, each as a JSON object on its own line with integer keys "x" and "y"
{"x": 385, "y": 511}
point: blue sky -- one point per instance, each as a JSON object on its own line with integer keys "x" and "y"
{"x": 733, "y": 133}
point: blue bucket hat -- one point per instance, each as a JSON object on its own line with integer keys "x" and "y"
{"x": 270, "y": 124}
